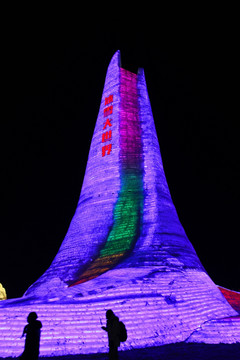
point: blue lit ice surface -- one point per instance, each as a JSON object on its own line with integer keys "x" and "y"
{"x": 158, "y": 287}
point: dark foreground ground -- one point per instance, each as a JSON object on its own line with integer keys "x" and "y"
{"x": 180, "y": 351}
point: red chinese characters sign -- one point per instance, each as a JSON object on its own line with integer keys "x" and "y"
{"x": 107, "y": 124}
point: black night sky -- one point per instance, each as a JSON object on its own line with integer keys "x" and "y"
{"x": 53, "y": 78}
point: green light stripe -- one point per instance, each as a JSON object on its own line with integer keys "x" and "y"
{"x": 127, "y": 216}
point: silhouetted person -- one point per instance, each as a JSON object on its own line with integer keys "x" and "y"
{"x": 32, "y": 332}
{"x": 113, "y": 330}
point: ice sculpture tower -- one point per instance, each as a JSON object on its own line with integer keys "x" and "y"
{"x": 125, "y": 248}
{"x": 125, "y": 216}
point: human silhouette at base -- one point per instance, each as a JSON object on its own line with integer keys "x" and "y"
{"x": 113, "y": 330}
{"x": 32, "y": 331}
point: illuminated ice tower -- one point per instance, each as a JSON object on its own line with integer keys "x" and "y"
{"x": 126, "y": 248}
{"x": 125, "y": 218}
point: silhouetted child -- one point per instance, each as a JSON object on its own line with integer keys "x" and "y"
{"x": 32, "y": 331}
{"x": 113, "y": 330}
